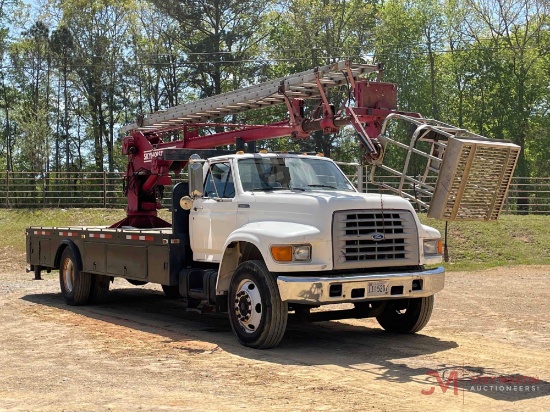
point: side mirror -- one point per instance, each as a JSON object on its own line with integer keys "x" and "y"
{"x": 196, "y": 176}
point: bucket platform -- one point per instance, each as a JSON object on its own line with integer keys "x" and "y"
{"x": 465, "y": 177}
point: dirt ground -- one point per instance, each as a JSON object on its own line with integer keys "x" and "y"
{"x": 141, "y": 351}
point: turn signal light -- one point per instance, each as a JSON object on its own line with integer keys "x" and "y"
{"x": 282, "y": 253}
{"x": 433, "y": 247}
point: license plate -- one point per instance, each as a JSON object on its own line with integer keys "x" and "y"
{"x": 378, "y": 289}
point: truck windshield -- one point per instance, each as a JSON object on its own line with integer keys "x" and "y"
{"x": 280, "y": 173}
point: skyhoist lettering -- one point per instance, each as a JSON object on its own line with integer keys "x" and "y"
{"x": 149, "y": 154}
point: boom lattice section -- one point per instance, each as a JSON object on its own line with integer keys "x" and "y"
{"x": 300, "y": 85}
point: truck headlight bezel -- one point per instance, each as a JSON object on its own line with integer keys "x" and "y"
{"x": 291, "y": 253}
{"x": 433, "y": 247}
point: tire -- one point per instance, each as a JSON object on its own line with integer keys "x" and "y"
{"x": 75, "y": 285}
{"x": 407, "y": 315}
{"x": 99, "y": 290}
{"x": 258, "y": 316}
{"x": 171, "y": 292}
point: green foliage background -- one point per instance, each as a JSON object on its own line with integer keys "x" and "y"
{"x": 74, "y": 71}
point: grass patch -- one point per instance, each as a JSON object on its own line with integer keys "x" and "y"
{"x": 512, "y": 240}
{"x": 15, "y": 221}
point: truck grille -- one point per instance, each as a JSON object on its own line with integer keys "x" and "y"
{"x": 374, "y": 238}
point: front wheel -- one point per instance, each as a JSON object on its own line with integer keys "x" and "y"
{"x": 406, "y": 315}
{"x": 258, "y": 316}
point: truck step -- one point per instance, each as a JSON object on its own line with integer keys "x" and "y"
{"x": 198, "y": 284}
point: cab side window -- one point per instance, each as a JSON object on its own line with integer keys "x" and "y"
{"x": 219, "y": 181}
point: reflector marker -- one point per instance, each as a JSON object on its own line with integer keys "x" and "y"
{"x": 68, "y": 234}
{"x": 101, "y": 235}
{"x": 140, "y": 237}
{"x": 41, "y": 232}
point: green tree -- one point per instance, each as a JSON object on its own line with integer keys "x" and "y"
{"x": 220, "y": 40}
{"x": 515, "y": 30}
{"x": 11, "y": 12}
{"x": 62, "y": 46}
{"x": 399, "y": 45}
{"x": 455, "y": 63}
{"x": 30, "y": 58}
{"x": 157, "y": 65}
{"x": 100, "y": 32}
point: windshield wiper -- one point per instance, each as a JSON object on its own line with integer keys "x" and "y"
{"x": 327, "y": 186}
{"x": 260, "y": 189}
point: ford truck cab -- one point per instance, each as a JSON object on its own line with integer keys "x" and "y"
{"x": 291, "y": 233}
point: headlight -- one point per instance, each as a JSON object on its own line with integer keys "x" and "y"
{"x": 289, "y": 253}
{"x": 433, "y": 247}
{"x": 302, "y": 252}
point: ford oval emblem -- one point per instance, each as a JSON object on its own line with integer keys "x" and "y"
{"x": 377, "y": 236}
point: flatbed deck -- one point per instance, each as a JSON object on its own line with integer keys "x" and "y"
{"x": 148, "y": 255}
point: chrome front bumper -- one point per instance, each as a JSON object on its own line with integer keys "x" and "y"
{"x": 358, "y": 287}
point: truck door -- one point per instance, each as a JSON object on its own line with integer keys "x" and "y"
{"x": 213, "y": 216}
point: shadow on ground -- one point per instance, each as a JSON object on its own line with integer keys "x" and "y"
{"x": 381, "y": 355}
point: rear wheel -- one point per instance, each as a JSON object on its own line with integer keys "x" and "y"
{"x": 99, "y": 288}
{"x": 257, "y": 314}
{"x": 406, "y": 315}
{"x": 75, "y": 285}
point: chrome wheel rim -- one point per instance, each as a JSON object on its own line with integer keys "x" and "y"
{"x": 248, "y": 306}
{"x": 68, "y": 275}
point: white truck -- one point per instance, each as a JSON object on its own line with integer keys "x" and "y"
{"x": 268, "y": 234}
{"x": 291, "y": 231}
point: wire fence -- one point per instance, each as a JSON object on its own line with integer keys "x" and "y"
{"x": 106, "y": 190}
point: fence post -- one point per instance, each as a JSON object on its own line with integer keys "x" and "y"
{"x": 43, "y": 184}
{"x": 7, "y": 189}
{"x": 104, "y": 189}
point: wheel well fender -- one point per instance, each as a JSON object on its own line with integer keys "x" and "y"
{"x": 235, "y": 253}
{"x": 66, "y": 243}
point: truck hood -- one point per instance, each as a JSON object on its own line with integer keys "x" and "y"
{"x": 312, "y": 208}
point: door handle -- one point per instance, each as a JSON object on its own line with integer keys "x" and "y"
{"x": 197, "y": 207}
